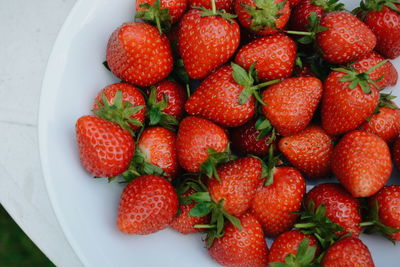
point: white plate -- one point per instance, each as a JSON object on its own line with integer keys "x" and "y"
{"x": 86, "y": 208}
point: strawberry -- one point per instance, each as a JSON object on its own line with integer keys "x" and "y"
{"x": 384, "y": 76}
{"x": 384, "y": 20}
{"x": 121, "y": 103}
{"x": 226, "y": 5}
{"x": 263, "y": 16}
{"x": 198, "y": 139}
{"x": 361, "y": 161}
{"x": 274, "y": 56}
{"x": 274, "y": 204}
{"x": 348, "y": 252}
{"x": 241, "y": 248}
{"x": 148, "y": 204}
{"x": 166, "y": 103}
{"x": 293, "y": 3}
{"x": 385, "y": 122}
{"x": 310, "y": 151}
{"x": 237, "y": 184}
{"x": 105, "y": 149}
{"x": 207, "y": 39}
{"x": 293, "y": 247}
{"x": 396, "y": 153}
{"x": 346, "y": 38}
{"x": 247, "y": 139}
{"x": 291, "y": 103}
{"x": 138, "y": 54}
{"x": 349, "y": 99}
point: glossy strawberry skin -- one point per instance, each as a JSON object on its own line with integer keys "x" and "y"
{"x": 138, "y": 54}
{"x": 385, "y": 24}
{"x": 299, "y": 17}
{"x": 344, "y": 109}
{"x": 176, "y": 96}
{"x": 241, "y": 248}
{"x": 245, "y": 18}
{"x": 105, "y": 149}
{"x": 348, "y": 252}
{"x": 239, "y": 181}
{"x": 217, "y": 99}
{"x": 346, "y": 39}
{"x": 310, "y": 151}
{"x": 274, "y": 56}
{"x": 158, "y": 146}
{"x": 148, "y": 204}
{"x": 195, "y": 137}
{"x": 129, "y": 94}
{"x": 396, "y": 153}
{"x": 341, "y": 207}
{"x": 291, "y": 103}
{"x": 226, "y": 5}
{"x": 183, "y": 223}
{"x": 206, "y": 43}
{"x": 273, "y": 204}
{"x": 176, "y": 8}
{"x": 361, "y": 161}
{"x": 244, "y": 140}
{"x": 288, "y": 243}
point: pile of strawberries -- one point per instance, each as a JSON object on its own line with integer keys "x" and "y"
{"x": 226, "y": 107}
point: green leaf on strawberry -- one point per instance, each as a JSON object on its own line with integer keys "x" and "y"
{"x": 155, "y": 14}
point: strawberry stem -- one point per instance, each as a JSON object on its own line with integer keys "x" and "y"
{"x": 300, "y": 33}
{"x": 213, "y": 7}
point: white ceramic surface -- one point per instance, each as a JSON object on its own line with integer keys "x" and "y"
{"x": 86, "y": 208}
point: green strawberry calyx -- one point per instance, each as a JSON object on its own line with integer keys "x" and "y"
{"x": 155, "y": 111}
{"x": 264, "y": 14}
{"x": 385, "y": 100}
{"x": 209, "y": 166}
{"x": 314, "y": 27}
{"x": 329, "y": 5}
{"x": 264, "y": 126}
{"x": 119, "y": 111}
{"x": 305, "y": 257}
{"x": 376, "y": 5}
{"x": 214, "y": 12}
{"x": 270, "y": 167}
{"x": 156, "y": 15}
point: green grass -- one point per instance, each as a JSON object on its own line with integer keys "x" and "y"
{"x": 16, "y": 249}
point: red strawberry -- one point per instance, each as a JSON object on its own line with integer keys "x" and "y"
{"x": 113, "y": 105}
{"x": 386, "y": 75}
{"x": 274, "y": 56}
{"x": 138, "y": 54}
{"x": 246, "y": 139}
{"x": 196, "y": 136}
{"x": 274, "y": 204}
{"x": 346, "y": 38}
{"x": 361, "y": 161}
{"x": 292, "y": 3}
{"x": 207, "y": 39}
{"x": 148, "y": 204}
{"x": 237, "y": 184}
{"x": 384, "y": 20}
{"x": 219, "y": 97}
{"x": 184, "y": 223}
{"x": 291, "y": 103}
{"x": 347, "y": 102}
{"x": 396, "y": 153}
{"x": 241, "y": 248}
{"x": 156, "y": 147}
{"x": 226, "y": 5}
{"x": 105, "y": 149}
{"x": 263, "y": 17}
{"x": 309, "y": 151}
{"x": 348, "y": 252}
{"x": 299, "y": 247}
{"x": 303, "y": 71}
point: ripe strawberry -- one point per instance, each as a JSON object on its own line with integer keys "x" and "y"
{"x": 361, "y": 161}
{"x": 126, "y": 107}
{"x": 263, "y": 17}
{"x": 293, "y": 247}
{"x": 148, "y": 204}
{"x": 346, "y": 38}
{"x": 241, "y": 248}
{"x": 237, "y": 184}
{"x": 348, "y": 100}
{"x": 310, "y": 151}
{"x": 196, "y": 136}
{"x": 226, "y": 5}
{"x": 274, "y": 56}
{"x": 349, "y": 252}
{"x": 207, "y": 39}
{"x": 292, "y": 3}
{"x": 105, "y": 149}
{"x": 291, "y": 103}
{"x": 396, "y": 153}
{"x": 156, "y": 152}
{"x": 274, "y": 204}
{"x": 138, "y": 54}
{"x": 384, "y": 76}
